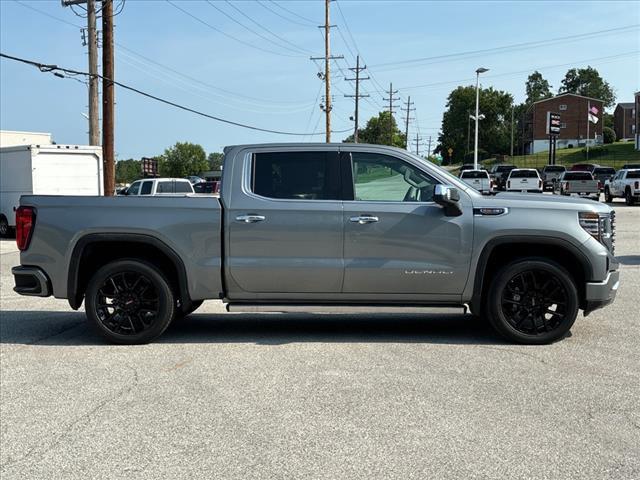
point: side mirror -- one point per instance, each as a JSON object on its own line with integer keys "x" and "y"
{"x": 447, "y": 197}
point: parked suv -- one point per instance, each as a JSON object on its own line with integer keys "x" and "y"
{"x": 317, "y": 227}
{"x": 159, "y": 186}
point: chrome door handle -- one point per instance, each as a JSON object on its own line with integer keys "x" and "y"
{"x": 362, "y": 219}
{"x": 250, "y": 218}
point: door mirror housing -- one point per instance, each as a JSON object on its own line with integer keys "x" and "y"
{"x": 448, "y": 198}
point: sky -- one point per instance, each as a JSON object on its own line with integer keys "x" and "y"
{"x": 207, "y": 59}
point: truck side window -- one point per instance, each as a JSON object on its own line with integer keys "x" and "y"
{"x": 146, "y": 188}
{"x": 166, "y": 187}
{"x": 296, "y": 175}
{"x": 378, "y": 177}
{"x": 134, "y": 189}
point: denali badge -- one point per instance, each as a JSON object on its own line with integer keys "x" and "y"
{"x": 428, "y": 272}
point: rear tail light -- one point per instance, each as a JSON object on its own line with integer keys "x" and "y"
{"x": 25, "y": 221}
{"x": 600, "y": 185}
{"x": 566, "y": 186}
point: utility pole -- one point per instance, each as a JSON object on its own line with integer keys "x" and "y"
{"x": 391, "y": 99}
{"x": 108, "y": 97}
{"x": 327, "y": 69}
{"x": 418, "y": 144}
{"x": 468, "y": 129}
{"x": 429, "y": 147}
{"x": 94, "y": 107}
{"x": 406, "y": 123}
{"x": 357, "y": 69}
{"x": 511, "y": 131}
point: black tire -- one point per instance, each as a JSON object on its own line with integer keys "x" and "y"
{"x": 532, "y": 301}
{"x": 628, "y": 198}
{"x": 5, "y": 230}
{"x": 187, "y": 309}
{"x": 129, "y": 302}
{"x": 607, "y": 196}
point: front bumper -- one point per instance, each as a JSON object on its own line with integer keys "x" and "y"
{"x": 601, "y": 294}
{"x": 31, "y": 281}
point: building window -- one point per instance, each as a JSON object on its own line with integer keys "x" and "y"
{"x": 563, "y": 107}
{"x": 563, "y": 125}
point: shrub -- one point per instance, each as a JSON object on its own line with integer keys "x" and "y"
{"x": 608, "y": 135}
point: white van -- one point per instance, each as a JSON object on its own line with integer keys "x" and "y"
{"x": 46, "y": 170}
{"x": 159, "y": 186}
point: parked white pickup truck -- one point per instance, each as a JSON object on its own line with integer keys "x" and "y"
{"x": 625, "y": 183}
{"x": 581, "y": 184}
{"x": 478, "y": 179}
{"x": 524, "y": 180}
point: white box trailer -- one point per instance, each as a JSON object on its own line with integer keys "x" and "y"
{"x": 46, "y": 170}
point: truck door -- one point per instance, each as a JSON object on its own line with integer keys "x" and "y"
{"x": 397, "y": 240}
{"x": 284, "y": 222}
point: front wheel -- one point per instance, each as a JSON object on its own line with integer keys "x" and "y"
{"x": 628, "y": 198}
{"x": 607, "y": 196}
{"x": 532, "y": 301}
{"x": 129, "y": 302}
{"x": 4, "y": 227}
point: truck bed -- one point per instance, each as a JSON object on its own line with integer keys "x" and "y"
{"x": 188, "y": 225}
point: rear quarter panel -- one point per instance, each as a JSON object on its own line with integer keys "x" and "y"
{"x": 190, "y": 226}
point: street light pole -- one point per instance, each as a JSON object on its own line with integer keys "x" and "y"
{"x": 475, "y": 150}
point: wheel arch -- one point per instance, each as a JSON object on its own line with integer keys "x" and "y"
{"x": 113, "y": 246}
{"x": 499, "y": 251}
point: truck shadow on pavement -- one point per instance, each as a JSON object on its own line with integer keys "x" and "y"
{"x": 629, "y": 259}
{"x": 72, "y": 329}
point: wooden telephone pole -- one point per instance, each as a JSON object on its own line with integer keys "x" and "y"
{"x": 357, "y": 69}
{"x": 327, "y": 69}
{"x": 94, "y": 100}
{"x": 391, "y": 101}
{"x": 409, "y": 109}
{"x": 108, "y": 98}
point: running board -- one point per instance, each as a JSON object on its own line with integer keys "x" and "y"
{"x": 345, "y": 309}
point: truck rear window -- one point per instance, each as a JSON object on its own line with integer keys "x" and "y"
{"x": 296, "y": 175}
{"x": 524, "y": 174}
{"x": 554, "y": 169}
{"x": 578, "y": 176}
{"x": 472, "y": 174}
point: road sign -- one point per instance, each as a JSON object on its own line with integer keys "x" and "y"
{"x": 553, "y": 123}
{"x": 149, "y": 167}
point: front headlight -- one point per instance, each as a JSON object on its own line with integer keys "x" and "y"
{"x": 600, "y": 226}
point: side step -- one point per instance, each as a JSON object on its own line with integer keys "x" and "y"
{"x": 345, "y": 309}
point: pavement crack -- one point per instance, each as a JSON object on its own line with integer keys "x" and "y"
{"x": 38, "y": 451}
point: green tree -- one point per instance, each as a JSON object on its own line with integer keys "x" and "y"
{"x": 589, "y": 83}
{"x": 609, "y": 136}
{"x": 537, "y": 88}
{"x": 495, "y": 129}
{"x": 182, "y": 160}
{"x": 128, "y": 170}
{"x": 215, "y": 160}
{"x": 607, "y": 120}
{"x": 380, "y": 130}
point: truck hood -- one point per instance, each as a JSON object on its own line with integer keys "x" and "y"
{"x": 535, "y": 200}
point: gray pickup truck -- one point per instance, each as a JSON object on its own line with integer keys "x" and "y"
{"x": 321, "y": 226}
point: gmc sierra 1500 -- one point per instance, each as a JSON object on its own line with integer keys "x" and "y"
{"x": 311, "y": 226}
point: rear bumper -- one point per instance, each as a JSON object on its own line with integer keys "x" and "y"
{"x": 601, "y": 294}
{"x": 31, "y": 281}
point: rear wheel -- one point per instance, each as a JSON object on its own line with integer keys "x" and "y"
{"x": 4, "y": 227}
{"x": 628, "y": 198}
{"x": 532, "y": 301}
{"x": 129, "y": 302}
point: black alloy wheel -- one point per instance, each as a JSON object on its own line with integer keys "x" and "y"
{"x": 533, "y": 301}
{"x": 4, "y": 226}
{"x": 129, "y": 302}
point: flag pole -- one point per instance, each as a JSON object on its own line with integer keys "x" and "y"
{"x": 588, "y": 120}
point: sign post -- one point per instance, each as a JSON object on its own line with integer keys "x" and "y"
{"x": 553, "y": 130}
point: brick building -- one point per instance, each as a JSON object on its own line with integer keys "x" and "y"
{"x": 637, "y": 120}
{"x": 624, "y": 118}
{"x": 574, "y": 114}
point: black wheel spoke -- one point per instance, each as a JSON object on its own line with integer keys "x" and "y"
{"x": 127, "y": 303}
{"x": 534, "y": 301}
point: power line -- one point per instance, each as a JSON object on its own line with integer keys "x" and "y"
{"x": 197, "y": 19}
{"x": 56, "y": 70}
{"x": 312, "y": 22}
{"x": 258, "y": 24}
{"x": 263, "y": 5}
{"x": 252, "y": 30}
{"x": 511, "y": 47}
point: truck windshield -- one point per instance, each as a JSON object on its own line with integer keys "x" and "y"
{"x": 604, "y": 171}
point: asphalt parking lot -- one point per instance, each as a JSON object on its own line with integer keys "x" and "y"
{"x": 372, "y": 396}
